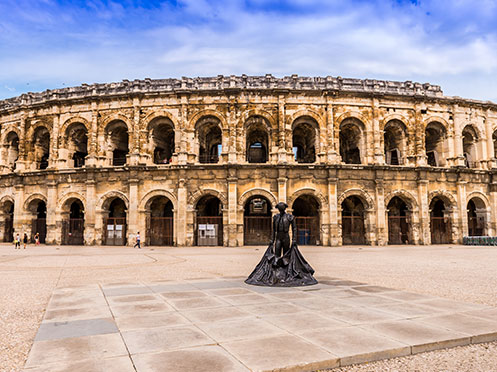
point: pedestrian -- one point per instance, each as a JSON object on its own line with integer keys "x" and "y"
{"x": 25, "y": 240}
{"x": 18, "y": 241}
{"x": 37, "y": 239}
{"x": 137, "y": 244}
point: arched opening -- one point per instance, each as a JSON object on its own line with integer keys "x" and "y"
{"x": 115, "y": 223}
{"x": 11, "y": 150}
{"x": 210, "y": 139}
{"x": 304, "y": 140}
{"x": 435, "y": 146}
{"x": 398, "y": 222}
{"x": 477, "y": 217}
{"x": 7, "y": 211}
{"x": 74, "y": 224}
{"x": 160, "y": 222}
{"x": 353, "y": 229}
{"x": 257, "y": 221}
{"x": 469, "y": 140}
{"x": 41, "y": 147}
{"x": 161, "y": 132}
{"x": 257, "y": 139}
{"x": 306, "y": 212}
{"x": 209, "y": 221}
{"x": 38, "y": 209}
{"x": 351, "y": 142}
{"x": 77, "y": 144}
{"x": 395, "y": 142}
{"x": 440, "y": 223}
{"x": 117, "y": 139}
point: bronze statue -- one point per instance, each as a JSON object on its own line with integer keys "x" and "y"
{"x": 282, "y": 264}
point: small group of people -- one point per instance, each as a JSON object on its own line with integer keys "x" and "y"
{"x": 17, "y": 240}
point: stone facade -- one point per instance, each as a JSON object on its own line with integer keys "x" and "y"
{"x": 365, "y": 161}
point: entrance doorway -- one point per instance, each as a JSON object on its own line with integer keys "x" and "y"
{"x": 161, "y": 222}
{"x": 398, "y": 225}
{"x": 115, "y": 223}
{"x": 209, "y": 221}
{"x": 476, "y": 217}
{"x": 39, "y": 224}
{"x": 439, "y": 222}
{"x": 353, "y": 231}
{"x": 257, "y": 221}
{"x": 306, "y": 212}
{"x": 8, "y": 211}
{"x": 73, "y": 228}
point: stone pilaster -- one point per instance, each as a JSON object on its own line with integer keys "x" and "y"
{"x": 424, "y": 209}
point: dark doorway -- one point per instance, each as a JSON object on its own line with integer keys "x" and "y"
{"x": 353, "y": 231}
{"x": 209, "y": 222}
{"x": 161, "y": 222}
{"x": 398, "y": 225}
{"x": 306, "y": 212}
{"x": 115, "y": 223}
{"x": 39, "y": 224}
{"x": 8, "y": 235}
{"x": 257, "y": 221}
{"x": 73, "y": 228}
{"x": 476, "y": 217}
{"x": 439, "y": 223}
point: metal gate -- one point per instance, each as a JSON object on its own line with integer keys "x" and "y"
{"x": 476, "y": 226}
{"x": 8, "y": 235}
{"x": 353, "y": 230}
{"x": 210, "y": 220}
{"x": 257, "y": 230}
{"x": 307, "y": 230}
{"x": 160, "y": 231}
{"x": 440, "y": 230}
{"x": 398, "y": 230}
{"x": 73, "y": 231}
{"x": 115, "y": 231}
{"x": 39, "y": 226}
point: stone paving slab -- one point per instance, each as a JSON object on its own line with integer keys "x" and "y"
{"x": 227, "y": 325}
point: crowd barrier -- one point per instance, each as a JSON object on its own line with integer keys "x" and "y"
{"x": 479, "y": 240}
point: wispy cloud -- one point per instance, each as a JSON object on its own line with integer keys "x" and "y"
{"x": 49, "y": 43}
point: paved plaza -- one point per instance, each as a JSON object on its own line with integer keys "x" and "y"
{"x": 226, "y": 325}
{"x": 188, "y": 309}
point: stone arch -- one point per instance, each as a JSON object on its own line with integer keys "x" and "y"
{"x": 475, "y": 129}
{"x": 309, "y": 113}
{"x": 436, "y": 119}
{"x": 194, "y": 199}
{"x": 74, "y": 120}
{"x": 33, "y": 127}
{"x": 105, "y": 200}
{"x": 406, "y": 196}
{"x": 204, "y": 113}
{"x": 6, "y": 198}
{"x": 390, "y": 117}
{"x": 149, "y": 196}
{"x": 259, "y": 112}
{"x": 115, "y": 117}
{"x": 257, "y": 191}
{"x": 351, "y": 115}
{"x": 158, "y": 114}
{"x": 68, "y": 197}
{"x": 8, "y": 130}
{"x": 33, "y": 197}
{"x": 445, "y": 196}
{"x": 361, "y": 194}
{"x": 308, "y": 191}
{"x": 479, "y": 195}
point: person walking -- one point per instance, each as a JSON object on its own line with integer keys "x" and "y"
{"x": 137, "y": 244}
{"x": 37, "y": 239}
{"x": 17, "y": 241}
{"x": 25, "y": 240}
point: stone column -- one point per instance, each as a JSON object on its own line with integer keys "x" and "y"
{"x": 53, "y": 151}
{"x": 132, "y": 210}
{"x": 20, "y": 223}
{"x": 493, "y": 203}
{"x": 21, "y": 164}
{"x": 424, "y": 209}
{"x": 491, "y": 163}
{"x": 91, "y": 158}
{"x": 233, "y": 236}
{"x": 381, "y": 231}
{"x": 333, "y": 208}
{"x": 461, "y": 226}
{"x": 133, "y": 157}
{"x": 332, "y": 156}
{"x": 53, "y": 236}
{"x": 459, "y": 120}
{"x": 232, "y": 137}
{"x": 282, "y": 187}
{"x": 419, "y": 148}
{"x": 90, "y": 212}
{"x": 379, "y": 154}
{"x": 182, "y": 210}
{"x": 283, "y": 152}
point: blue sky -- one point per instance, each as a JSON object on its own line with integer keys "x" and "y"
{"x": 47, "y": 44}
